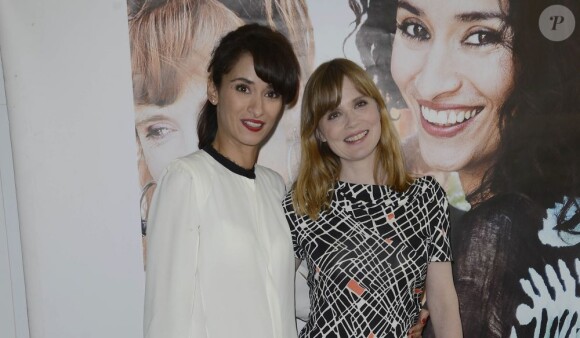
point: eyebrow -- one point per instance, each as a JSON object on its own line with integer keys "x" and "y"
{"x": 154, "y": 118}
{"x": 358, "y": 98}
{"x": 361, "y": 96}
{"x": 243, "y": 79}
{"x": 463, "y": 17}
{"x": 410, "y": 8}
{"x": 247, "y": 81}
{"x": 478, "y": 16}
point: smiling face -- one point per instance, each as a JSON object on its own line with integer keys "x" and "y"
{"x": 353, "y": 129}
{"x": 247, "y": 110}
{"x": 454, "y": 70}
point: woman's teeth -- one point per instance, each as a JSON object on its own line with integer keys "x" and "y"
{"x": 253, "y": 124}
{"x": 357, "y": 136}
{"x": 447, "y": 117}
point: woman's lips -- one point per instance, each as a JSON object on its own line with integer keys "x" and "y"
{"x": 356, "y": 137}
{"x": 448, "y": 116}
{"x": 447, "y": 121}
{"x": 253, "y": 125}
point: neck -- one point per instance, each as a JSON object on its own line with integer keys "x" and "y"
{"x": 356, "y": 172}
{"x": 244, "y": 156}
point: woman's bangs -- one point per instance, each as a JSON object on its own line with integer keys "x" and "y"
{"x": 281, "y": 73}
{"x": 329, "y": 93}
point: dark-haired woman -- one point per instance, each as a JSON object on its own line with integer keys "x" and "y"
{"x": 219, "y": 261}
{"x": 497, "y": 101}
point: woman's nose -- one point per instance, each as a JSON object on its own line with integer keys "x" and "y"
{"x": 439, "y": 76}
{"x": 255, "y": 105}
{"x": 351, "y": 119}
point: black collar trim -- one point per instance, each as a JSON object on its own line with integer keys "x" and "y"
{"x": 229, "y": 164}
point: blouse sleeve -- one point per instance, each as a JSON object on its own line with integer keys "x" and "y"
{"x": 293, "y": 223}
{"x": 495, "y": 243}
{"x": 438, "y": 210}
{"x": 172, "y": 243}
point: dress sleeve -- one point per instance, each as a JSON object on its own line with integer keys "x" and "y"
{"x": 293, "y": 223}
{"x": 172, "y": 243}
{"x": 438, "y": 211}
{"x": 494, "y": 245}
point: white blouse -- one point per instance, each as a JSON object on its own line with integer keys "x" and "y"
{"x": 219, "y": 254}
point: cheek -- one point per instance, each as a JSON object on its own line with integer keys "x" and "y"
{"x": 499, "y": 83}
{"x": 401, "y": 66}
{"x": 159, "y": 152}
{"x": 224, "y": 114}
{"x": 376, "y": 117}
{"x": 154, "y": 160}
{"x": 275, "y": 109}
{"x": 325, "y": 131}
{"x": 186, "y": 125}
{"x": 496, "y": 82}
{"x": 157, "y": 158}
{"x": 376, "y": 123}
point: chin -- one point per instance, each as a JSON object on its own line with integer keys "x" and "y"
{"x": 443, "y": 161}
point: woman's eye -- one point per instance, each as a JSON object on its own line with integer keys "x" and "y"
{"x": 414, "y": 30}
{"x": 482, "y": 38}
{"x": 333, "y": 115}
{"x": 158, "y": 131}
{"x": 242, "y": 88}
{"x": 360, "y": 104}
{"x": 272, "y": 94}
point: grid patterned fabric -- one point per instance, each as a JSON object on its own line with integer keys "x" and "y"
{"x": 367, "y": 257}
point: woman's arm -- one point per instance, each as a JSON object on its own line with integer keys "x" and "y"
{"x": 172, "y": 242}
{"x": 442, "y": 298}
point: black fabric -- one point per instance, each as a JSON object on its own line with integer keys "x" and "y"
{"x": 505, "y": 260}
{"x": 229, "y": 164}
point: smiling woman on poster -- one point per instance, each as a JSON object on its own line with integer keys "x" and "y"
{"x": 219, "y": 262}
{"x": 497, "y": 101}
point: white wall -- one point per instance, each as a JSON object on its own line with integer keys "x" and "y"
{"x": 68, "y": 89}
{"x": 13, "y": 316}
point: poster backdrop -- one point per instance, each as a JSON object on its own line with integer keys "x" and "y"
{"x": 484, "y": 94}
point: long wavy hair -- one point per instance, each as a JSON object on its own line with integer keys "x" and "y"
{"x": 319, "y": 166}
{"x": 374, "y": 41}
{"x": 539, "y": 149}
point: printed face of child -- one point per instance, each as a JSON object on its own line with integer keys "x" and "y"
{"x": 169, "y": 132}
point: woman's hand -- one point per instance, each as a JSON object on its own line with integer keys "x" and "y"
{"x": 417, "y": 330}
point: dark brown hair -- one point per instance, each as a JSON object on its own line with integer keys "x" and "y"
{"x": 274, "y": 62}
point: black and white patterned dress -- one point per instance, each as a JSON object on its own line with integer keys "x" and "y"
{"x": 367, "y": 257}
